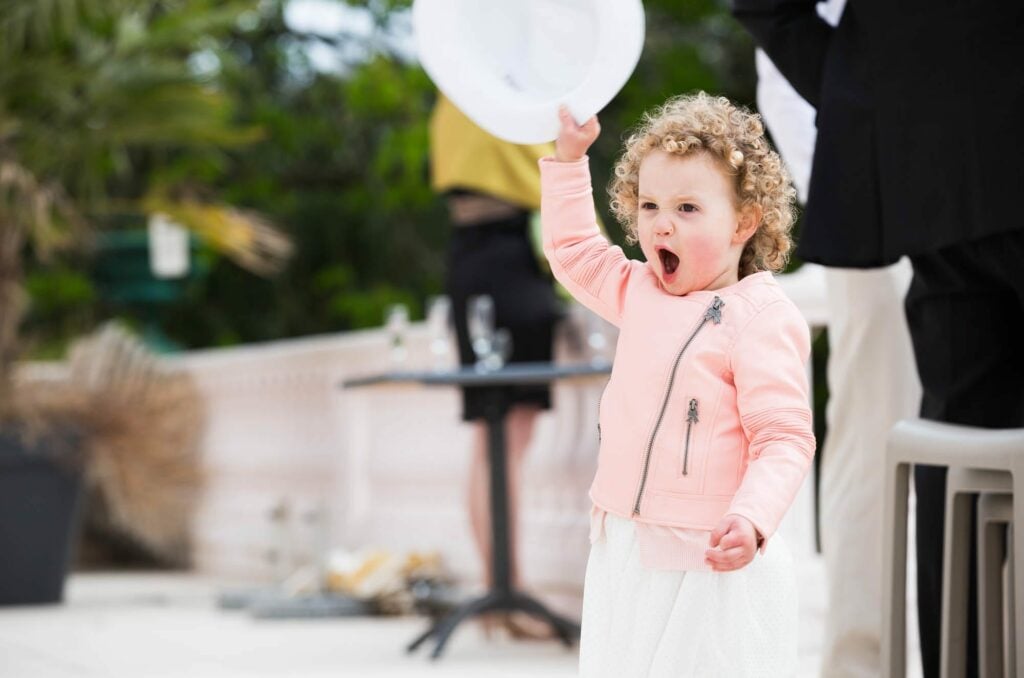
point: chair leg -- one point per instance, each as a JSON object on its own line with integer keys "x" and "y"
{"x": 894, "y": 560}
{"x": 1017, "y": 539}
{"x": 991, "y": 536}
{"x": 955, "y": 574}
{"x": 1011, "y": 605}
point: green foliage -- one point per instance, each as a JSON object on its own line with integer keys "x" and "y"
{"x": 95, "y": 99}
{"x": 359, "y": 308}
{"x": 97, "y": 92}
{"x": 59, "y": 292}
{"x": 63, "y": 302}
{"x": 343, "y": 166}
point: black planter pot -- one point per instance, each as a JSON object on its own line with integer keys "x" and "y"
{"x": 39, "y": 499}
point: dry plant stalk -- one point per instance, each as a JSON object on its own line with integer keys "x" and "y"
{"x": 29, "y": 212}
{"x": 141, "y": 425}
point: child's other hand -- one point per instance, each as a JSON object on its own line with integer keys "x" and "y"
{"x": 733, "y": 544}
{"x": 574, "y": 140}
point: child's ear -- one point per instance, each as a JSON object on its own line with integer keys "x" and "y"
{"x": 749, "y": 218}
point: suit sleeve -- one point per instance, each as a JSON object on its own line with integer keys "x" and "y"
{"x": 793, "y": 36}
{"x": 594, "y": 271}
{"x": 769, "y": 369}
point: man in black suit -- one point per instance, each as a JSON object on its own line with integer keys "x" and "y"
{"x": 920, "y": 152}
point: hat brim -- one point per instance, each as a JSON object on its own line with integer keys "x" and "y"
{"x": 497, "y": 105}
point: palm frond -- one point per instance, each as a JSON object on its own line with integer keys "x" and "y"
{"x": 28, "y": 24}
{"x": 36, "y": 213}
{"x": 246, "y": 237}
{"x": 44, "y": 214}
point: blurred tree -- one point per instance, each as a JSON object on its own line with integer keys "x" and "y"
{"x": 343, "y": 163}
{"x": 342, "y": 160}
{"x": 94, "y": 97}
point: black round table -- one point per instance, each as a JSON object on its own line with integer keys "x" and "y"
{"x": 502, "y": 596}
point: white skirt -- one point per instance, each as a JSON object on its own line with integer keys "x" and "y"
{"x": 641, "y": 623}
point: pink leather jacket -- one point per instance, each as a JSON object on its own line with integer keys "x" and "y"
{"x": 706, "y": 412}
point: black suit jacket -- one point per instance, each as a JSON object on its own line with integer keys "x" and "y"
{"x": 920, "y": 114}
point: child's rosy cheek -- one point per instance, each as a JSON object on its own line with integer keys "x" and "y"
{"x": 701, "y": 248}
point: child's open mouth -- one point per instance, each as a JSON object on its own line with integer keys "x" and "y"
{"x": 669, "y": 261}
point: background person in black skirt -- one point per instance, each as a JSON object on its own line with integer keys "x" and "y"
{"x": 492, "y": 187}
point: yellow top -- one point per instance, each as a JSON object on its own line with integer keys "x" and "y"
{"x": 462, "y": 155}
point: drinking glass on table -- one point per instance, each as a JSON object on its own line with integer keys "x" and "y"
{"x": 598, "y": 339}
{"x": 480, "y": 325}
{"x": 396, "y": 324}
{"x": 438, "y": 316}
{"x": 501, "y": 350}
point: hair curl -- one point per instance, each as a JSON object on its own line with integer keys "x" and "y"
{"x": 733, "y": 136}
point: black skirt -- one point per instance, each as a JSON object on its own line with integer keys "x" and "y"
{"x": 496, "y": 259}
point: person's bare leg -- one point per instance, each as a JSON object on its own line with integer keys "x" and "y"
{"x": 478, "y": 497}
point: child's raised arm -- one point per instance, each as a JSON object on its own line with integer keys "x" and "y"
{"x": 595, "y": 272}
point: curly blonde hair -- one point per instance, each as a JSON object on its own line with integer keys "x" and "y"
{"x": 734, "y": 137}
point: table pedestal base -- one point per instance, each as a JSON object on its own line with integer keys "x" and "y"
{"x": 495, "y": 601}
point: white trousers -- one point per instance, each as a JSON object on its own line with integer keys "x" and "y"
{"x": 872, "y": 383}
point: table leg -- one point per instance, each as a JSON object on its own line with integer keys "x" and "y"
{"x": 500, "y": 541}
{"x": 501, "y": 597}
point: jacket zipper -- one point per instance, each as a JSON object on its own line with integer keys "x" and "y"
{"x": 713, "y": 314}
{"x": 691, "y": 419}
{"x": 599, "y": 399}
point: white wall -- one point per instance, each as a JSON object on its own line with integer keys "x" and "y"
{"x": 389, "y": 462}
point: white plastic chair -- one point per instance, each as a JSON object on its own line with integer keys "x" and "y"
{"x": 971, "y": 454}
{"x": 995, "y": 546}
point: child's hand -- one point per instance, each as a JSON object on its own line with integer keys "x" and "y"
{"x": 574, "y": 140}
{"x": 733, "y": 544}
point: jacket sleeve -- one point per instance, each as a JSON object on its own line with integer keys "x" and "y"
{"x": 769, "y": 362}
{"x": 793, "y": 36}
{"x": 595, "y": 272}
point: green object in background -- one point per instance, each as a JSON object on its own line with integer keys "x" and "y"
{"x": 123, "y": 275}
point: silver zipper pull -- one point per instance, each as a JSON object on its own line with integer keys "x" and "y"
{"x": 691, "y": 418}
{"x": 714, "y": 312}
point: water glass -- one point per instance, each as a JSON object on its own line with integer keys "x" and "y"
{"x": 598, "y": 342}
{"x": 396, "y": 323}
{"x": 480, "y": 324}
{"x": 501, "y": 350}
{"x": 438, "y": 317}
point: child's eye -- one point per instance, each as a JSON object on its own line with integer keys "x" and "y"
{"x": 648, "y": 206}
{"x": 687, "y": 207}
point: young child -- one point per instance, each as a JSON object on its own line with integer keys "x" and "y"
{"x": 705, "y": 423}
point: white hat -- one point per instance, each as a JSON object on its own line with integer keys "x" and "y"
{"x": 508, "y": 64}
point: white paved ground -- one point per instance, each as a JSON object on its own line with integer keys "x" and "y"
{"x": 159, "y": 625}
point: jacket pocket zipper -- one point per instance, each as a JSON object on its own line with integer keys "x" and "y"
{"x": 712, "y": 314}
{"x": 691, "y": 419}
